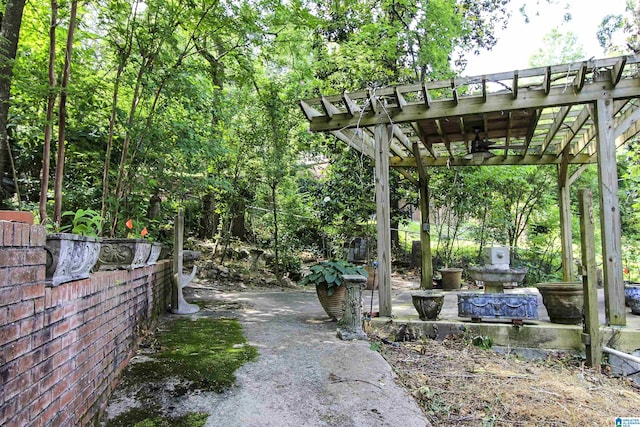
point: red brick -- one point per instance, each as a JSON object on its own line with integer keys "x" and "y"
{"x": 32, "y": 291}
{"x": 37, "y": 236}
{"x": 10, "y": 295}
{"x": 29, "y": 395}
{"x": 38, "y": 304}
{"x": 7, "y": 235}
{"x": 16, "y": 384}
{"x": 26, "y": 235}
{"x": 61, "y": 357}
{"x": 31, "y": 324}
{"x": 42, "y": 337}
{"x": 17, "y": 233}
{"x": 4, "y": 316}
{"x": 40, "y": 406}
{"x": 9, "y": 333}
{"x": 27, "y": 274}
{"x": 61, "y": 386}
{"x": 20, "y": 310}
{"x": 53, "y": 315}
{"x": 35, "y": 256}
{"x": 11, "y": 257}
{"x": 7, "y": 410}
{"x": 4, "y": 276}
{"x": 17, "y": 348}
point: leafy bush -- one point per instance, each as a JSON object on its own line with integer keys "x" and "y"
{"x": 86, "y": 222}
{"x": 331, "y": 272}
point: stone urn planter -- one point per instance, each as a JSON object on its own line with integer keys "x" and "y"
{"x": 516, "y": 307}
{"x": 70, "y": 257}
{"x": 564, "y": 301}
{"x": 451, "y": 278}
{"x": 123, "y": 254}
{"x": 632, "y": 298}
{"x": 428, "y": 304}
{"x": 154, "y": 253}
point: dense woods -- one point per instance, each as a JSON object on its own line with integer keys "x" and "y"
{"x": 135, "y": 108}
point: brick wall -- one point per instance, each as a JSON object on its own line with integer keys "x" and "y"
{"x": 62, "y": 348}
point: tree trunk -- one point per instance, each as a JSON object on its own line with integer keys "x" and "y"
{"x": 276, "y": 244}
{"x": 9, "y": 34}
{"x": 239, "y": 229}
{"x": 209, "y": 219}
{"x": 51, "y": 102}
{"x": 62, "y": 116}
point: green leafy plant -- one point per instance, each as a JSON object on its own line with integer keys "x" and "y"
{"x": 331, "y": 272}
{"x": 86, "y": 222}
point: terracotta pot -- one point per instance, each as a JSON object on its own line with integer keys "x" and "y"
{"x": 451, "y": 278}
{"x": 332, "y": 305}
{"x": 564, "y": 301}
{"x": 17, "y": 216}
{"x": 428, "y": 304}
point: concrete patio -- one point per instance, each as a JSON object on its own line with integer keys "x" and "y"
{"x": 532, "y": 336}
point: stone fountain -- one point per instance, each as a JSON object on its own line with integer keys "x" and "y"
{"x": 493, "y": 303}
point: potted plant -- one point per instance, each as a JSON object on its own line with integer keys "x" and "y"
{"x": 73, "y": 250}
{"x": 327, "y": 276}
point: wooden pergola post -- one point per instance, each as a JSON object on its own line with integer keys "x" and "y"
{"x": 566, "y": 236}
{"x": 610, "y": 224}
{"x": 383, "y": 137}
{"x": 426, "y": 271}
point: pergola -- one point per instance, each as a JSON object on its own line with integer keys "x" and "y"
{"x": 578, "y": 113}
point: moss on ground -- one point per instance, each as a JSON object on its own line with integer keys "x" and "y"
{"x": 145, "y": 418}
{"x": 192, "y": 354}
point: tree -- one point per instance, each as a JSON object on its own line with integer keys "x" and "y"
{"x": 10, "y": 24}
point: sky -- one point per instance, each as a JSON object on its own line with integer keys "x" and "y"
{"x": 520, "y": 40}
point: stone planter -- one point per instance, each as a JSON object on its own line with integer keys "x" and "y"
{"x": 428, "y": 304}
{"x": 70, "y": 257}
{"x": 451, "y": 278}
{"x": 123, "y": 254}
{"x": 332, "y": 305}
{"x": 564, "y": 301}
{"x": 632, "y": 298}
{"x": 154, "y": 253}
{"x": 497, "y": 306}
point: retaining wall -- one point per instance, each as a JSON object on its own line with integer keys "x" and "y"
{"x": 62, "y": 348}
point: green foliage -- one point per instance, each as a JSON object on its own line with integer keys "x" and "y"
{"x": 86, "y": 222}
{"x": 331, "y": 272}
{"x": 205, "y": 352}
{"x": 484, "y": 342}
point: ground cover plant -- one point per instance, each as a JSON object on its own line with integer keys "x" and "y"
{"x": 184, "y": 356}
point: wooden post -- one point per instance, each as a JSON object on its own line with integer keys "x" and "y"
{"x": 383, "y": 217}
{"x": 610, "y": 225}
{"x": 566, "y": 237}
{"x": 426, "y": 271}
{"x": 591, "y": 336}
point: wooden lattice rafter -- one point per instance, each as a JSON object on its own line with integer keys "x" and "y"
{"x": 535, "y": 116}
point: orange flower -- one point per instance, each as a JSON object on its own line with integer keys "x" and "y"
{"x": 144, "y": 232}
{"x": 129, "y": 224}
